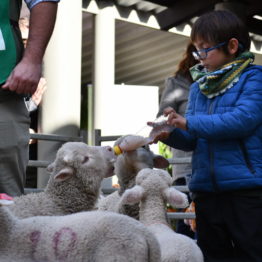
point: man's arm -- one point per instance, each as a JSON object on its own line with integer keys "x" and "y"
{"x": 26, "y": 75}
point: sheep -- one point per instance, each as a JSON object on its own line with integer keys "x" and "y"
{"x": 127, "y": 165}
{"x": 74, "y": 184}
{"x": 153, "y": 190}
{"x": 92, "y": 236}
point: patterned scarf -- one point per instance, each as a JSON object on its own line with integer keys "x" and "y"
{"x": 217, "y": 82}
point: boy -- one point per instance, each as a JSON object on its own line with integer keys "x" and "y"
{"x": 223, "y": 127}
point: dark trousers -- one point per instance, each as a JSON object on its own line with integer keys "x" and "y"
{"x": 14, "y": 133}
{"x": 229, "y": 226}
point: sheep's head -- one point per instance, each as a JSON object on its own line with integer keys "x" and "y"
{"x": 139, "y": 159}
{"x": 155, "y": 181}
{"x": 76, "y": 159}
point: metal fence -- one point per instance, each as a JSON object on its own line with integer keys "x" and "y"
{"x": 98, "y": 138}
{"x": 171, "y": 215}
{"x": 55, "y": 138}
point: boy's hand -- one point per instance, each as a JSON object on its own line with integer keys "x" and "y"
{"x": 158, "y": 136}
{"x": 162, "y": 132}
{"x": 174, "y": 119}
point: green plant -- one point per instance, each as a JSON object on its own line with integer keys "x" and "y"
{"x": 166, "y": 152}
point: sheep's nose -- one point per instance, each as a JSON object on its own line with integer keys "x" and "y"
{"x": 110, "y": 153}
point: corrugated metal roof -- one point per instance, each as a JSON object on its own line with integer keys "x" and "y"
{"x": 172, "y": 13}
{"x": 143, "y": 56}
{"x": 146, "y": 6}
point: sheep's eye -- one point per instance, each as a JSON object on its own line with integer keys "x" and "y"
{"x": 142, "y": 178}
{"x": 143, "y": 147}
{"x": 86, "y": 158}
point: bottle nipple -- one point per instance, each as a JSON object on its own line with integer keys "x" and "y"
{"x": 117, "y": 150}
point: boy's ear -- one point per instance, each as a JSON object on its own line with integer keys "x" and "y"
{"x": 233, "y": 46}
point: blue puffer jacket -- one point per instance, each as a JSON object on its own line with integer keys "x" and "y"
{"x": 225, "y": 133}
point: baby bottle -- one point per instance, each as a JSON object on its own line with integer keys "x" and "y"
{"x": 130, "y": 143}
{"x": 144, "y": 136}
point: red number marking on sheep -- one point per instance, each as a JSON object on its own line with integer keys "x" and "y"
{"x": 34, "y": 237}
{"x": 65, "y": 236}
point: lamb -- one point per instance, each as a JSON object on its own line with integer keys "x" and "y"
{"x": 153, "y": 190}
{"x": 127, "y": 165}
{"x": 77, "y": 172}
{"x": 93, "y": 236}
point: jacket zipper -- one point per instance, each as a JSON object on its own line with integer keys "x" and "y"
{"x": 211, "y": 154}
{"x": 246, "y": 158}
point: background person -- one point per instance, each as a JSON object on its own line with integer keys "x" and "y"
{"x": 175, "y": 95}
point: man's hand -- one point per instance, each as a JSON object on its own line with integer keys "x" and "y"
{"x": 24, "y": 78}
{"x": 26, "y": 75}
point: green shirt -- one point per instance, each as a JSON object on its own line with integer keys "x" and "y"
{"x": 11, "y": 47}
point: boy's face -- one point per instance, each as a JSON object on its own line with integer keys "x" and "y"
{"x": 214, "y": 58}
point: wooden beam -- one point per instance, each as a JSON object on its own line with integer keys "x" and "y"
{"x": 254, "y": 7}
{"x": 254, "y": 26}
{"x": 182, "y": 11}
{"x": 167, "y": 3}
{"x": 127, "y": 2}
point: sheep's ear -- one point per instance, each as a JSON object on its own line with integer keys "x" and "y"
{"x": 50, "y": 167}
{"x": 5, "y": 202}
{"x": 64, "y": 174}
{"x": 132, "y": 195}
{"x": 160, "y": 162}
{"x": 176, "y": 198}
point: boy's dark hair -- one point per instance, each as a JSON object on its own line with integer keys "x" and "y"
{"x": 220, "y": 26}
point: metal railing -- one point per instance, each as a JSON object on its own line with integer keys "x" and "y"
{"x": 98, "y": 140}
{"x": 54, "y": 138}
{"x": 171, "y": 215}
{"x": 43, "y": 163}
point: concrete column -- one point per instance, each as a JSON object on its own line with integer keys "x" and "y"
{"x": 60, "y": 112}
{"x": 104, "y": 65}
{"x": 104, "y": 68}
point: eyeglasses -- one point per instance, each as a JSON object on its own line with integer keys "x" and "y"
{"x": 202, "y": 54}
